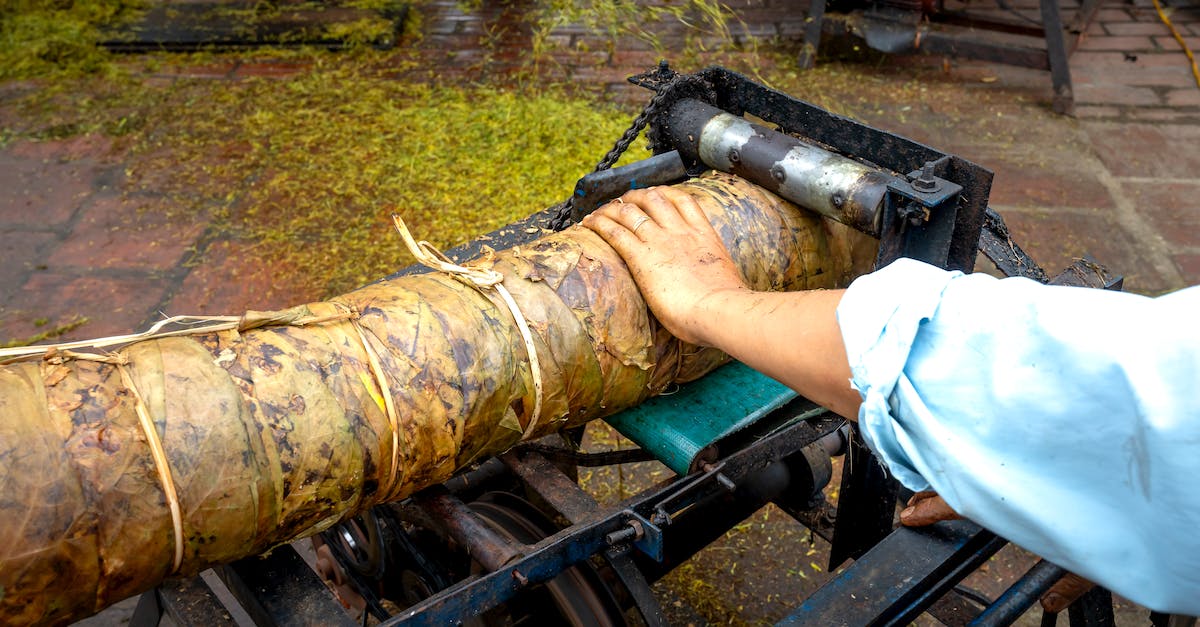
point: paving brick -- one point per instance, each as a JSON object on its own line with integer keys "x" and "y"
{"x": 1179, "y": 76}
{"x": 1111, "y": 15}
{"x": 214, "y": 70}
{"x": 1046, "y": 180}
{"x": 1167, "y": 42}
{"x": 1085, "y": 111}
{"x": 122, "y": 232}
{"x": 1137, "y": 28}
{"x": 23, "y": 253}
{"x": 113, "y": 304}
{"x": 1056, "y": 238}
{"x": 269, "y": 69}
{"x": 89, "y": 146}
{"x": 1129, "y": 43}
{"x": 1189, "y": 267}
{"x": 1109, "y": 94}
{"x": 1173, "y": 209}
{"x": 1186, "y": 97}
{"x": 1174, "y": 115}
{"x": 1114, "y": 59}
{"x": 231, "y": 279}
{"x": 41, "y": 193}
{"x": 1151, "y": 150}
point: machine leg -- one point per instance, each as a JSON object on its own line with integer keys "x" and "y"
{"x": 1056, "y": 52}
{"x": 812, "y": 34}
{"x": 866, "y": 504}
{"x": 1093, "y": 609}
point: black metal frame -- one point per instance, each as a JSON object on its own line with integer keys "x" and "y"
{"x": 897, "y": 574}
{"x": 900, "y": 27}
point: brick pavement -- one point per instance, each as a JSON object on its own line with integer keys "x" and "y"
{"x": 1117, "y": 182}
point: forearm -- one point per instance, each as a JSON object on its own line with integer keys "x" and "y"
{"x": 791, "y": 336}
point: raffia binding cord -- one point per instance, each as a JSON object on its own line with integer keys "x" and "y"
{"x": 385, "y": 391}
{"x": 157, "y": 452}
{"x": 197, "y": 325}
{"x": 482, "y": 280}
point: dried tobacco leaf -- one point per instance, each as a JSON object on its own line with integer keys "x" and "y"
{"x": 281, "y": 428}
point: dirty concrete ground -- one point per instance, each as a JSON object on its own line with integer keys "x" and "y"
{"x": 1116, "y": 181}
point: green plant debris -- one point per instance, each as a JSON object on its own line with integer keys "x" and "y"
{"x": 310, "y": 167}
{"x": 48, "y": 334}
{"x": 57, "y": 38}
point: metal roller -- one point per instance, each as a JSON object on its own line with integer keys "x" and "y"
{"x": 814, "y": 178}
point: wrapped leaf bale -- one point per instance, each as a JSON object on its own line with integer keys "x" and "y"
{"x": 173, "y": 454}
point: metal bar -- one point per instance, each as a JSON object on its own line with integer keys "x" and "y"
{"x": 191, "y": 603}
{"x": 969, "y": 45}
{"x": 544, "y": 561}
{"x": 737, "y": 94}
{"x": 954, "y": 609}
{"x": 963, "y": 18}
{"x": 484, "y": 544}
{"x": 280, "y": 589}
{"x": 602, "y": 186}
{"x": 866, "y": 504}
{"x": 1020, "y": 596}
{"x": 814, "y": 178}
{"x": 1083, "y": 18}
{"x": 812, "y": 34}
{"x": 556, "y": 488}
{"x": 621, "y": 560}
{"x": 1056, "y": 53}
{"x": 1094, "y": 609}
{"x": 590, "y": 460}
{"x": 900, "y": 577}
{"x": 997, "y": 245}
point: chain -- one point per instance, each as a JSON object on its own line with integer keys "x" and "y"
{"x": 663, "y": 97}
{"x": 995, "y": 241}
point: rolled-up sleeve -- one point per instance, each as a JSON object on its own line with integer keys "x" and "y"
{"x": 1064, "y": 419}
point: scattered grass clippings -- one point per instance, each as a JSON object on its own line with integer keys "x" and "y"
{"x": 311, "y": 166}
{"x": 57, "y": 38}
{"x": 49, "y": 334}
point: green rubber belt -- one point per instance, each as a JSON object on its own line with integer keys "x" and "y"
{"x": 679, "y": 428}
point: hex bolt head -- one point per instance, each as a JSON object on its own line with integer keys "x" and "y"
{"x": 926, "y": 181}
{"x": 734, "y": 155}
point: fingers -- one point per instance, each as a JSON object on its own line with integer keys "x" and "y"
{"x": 1065, "y": 592}
{"x": 926, "y": 508}
{"x": 622, "y": 214}
{"x": 615, "y": 233}
{"x": 685, "y": 206}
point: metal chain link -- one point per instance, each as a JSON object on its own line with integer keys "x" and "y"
{"x": 662, "y": 98}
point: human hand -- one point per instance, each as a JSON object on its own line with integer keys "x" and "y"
{"x": 674, "y": 254}
{"x": 926, "y": 508}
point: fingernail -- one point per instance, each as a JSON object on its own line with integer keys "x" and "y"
{"x": 908, "y": 511}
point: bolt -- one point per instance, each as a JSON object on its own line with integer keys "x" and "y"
{"x": 734, "y": 155}
{"x": 521, "y": 579}
{"x": 838, "y": 200}
{"x": 778, "y": 173}
{"x": 632, "y": 531}
{"x": 726, "y": 482}
{"x": 621, "y": 535}
{"x": 926, "y": 181}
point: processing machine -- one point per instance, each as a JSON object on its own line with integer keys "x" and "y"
{"x": 515, "y": 539}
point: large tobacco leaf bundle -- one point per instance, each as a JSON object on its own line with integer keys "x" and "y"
{"x": 283, "y": 426}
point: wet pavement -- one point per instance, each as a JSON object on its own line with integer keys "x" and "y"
{"x": 1117, "y": 181}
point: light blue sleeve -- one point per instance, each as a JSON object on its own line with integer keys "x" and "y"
{"x": 1065, "y": 419}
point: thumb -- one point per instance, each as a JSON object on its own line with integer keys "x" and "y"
{"x": 926, "y": 508}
